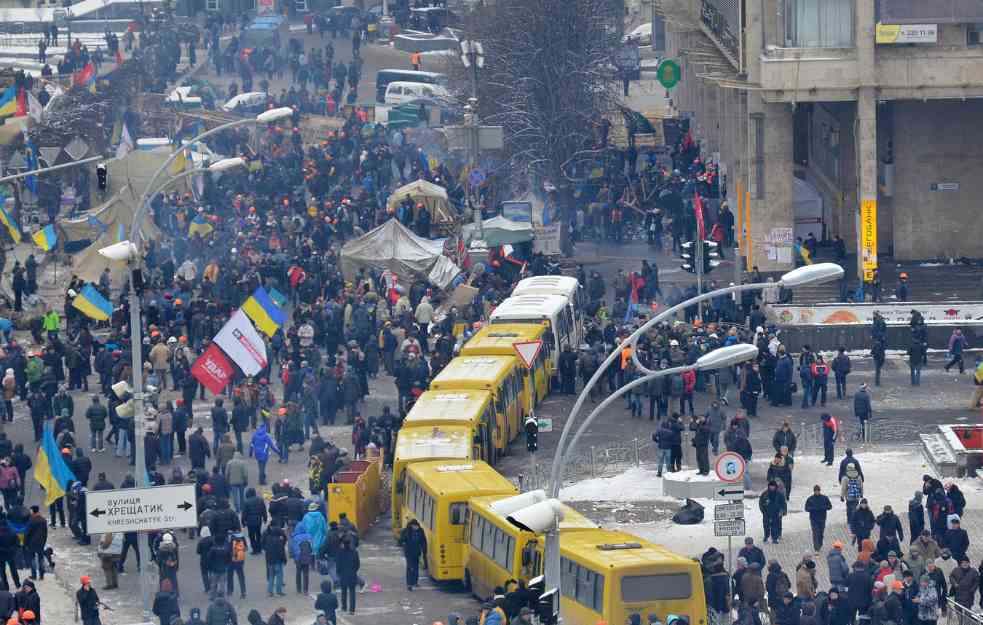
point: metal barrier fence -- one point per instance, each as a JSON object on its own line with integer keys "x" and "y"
{"x": 810, "y": 436}
{"x": 959, "y": 615}
{"x": 592, "y": 462}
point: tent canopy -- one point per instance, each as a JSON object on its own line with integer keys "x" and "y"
{"x": 394, "y": 247}
{"x": 433, "y": 197}
{"x": 499, "y": 231}
{"x": 105, "y": 225}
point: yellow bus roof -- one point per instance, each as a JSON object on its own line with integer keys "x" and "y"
{"x": 572, "y": 519}
{"x": 425, "y": 441}
{"x": 607, "y": 549}
{"x": 475, "y": 477}
{"x": 440, "y": 407}
{"x": 498, "y": 339}
{"x": 473, "y": 371}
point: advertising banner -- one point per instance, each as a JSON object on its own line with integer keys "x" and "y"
{"x": 212, "y": 369}
{"x": 868, "y": 237}
{"x": 242, "y": 343}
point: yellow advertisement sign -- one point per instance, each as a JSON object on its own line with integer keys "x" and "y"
{"x": 868, "y": 237}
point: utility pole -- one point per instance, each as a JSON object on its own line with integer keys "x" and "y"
{"x": 473, "y": 58}
{"x": 698, "y": 251}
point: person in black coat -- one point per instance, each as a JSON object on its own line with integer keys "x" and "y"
{"x": 27, "y": 598}
{"x": 88, "y": 602}
{"x": 166, "y": 605}
{"x": 838, "y": 608}
{"x": 7, "y": 604}
{"x": 348, "y": 563}
{"x": 860, "y": 585}
{"x": 916, "y": 516}
{"x": 956, "y": 540}
{"x": 254, "y": 516}
{"x": 198, "y": 450}
{"x": 862, "y": 522}
{"x": 8, "y": 550}
{"x": 327, "y": 602}
{"x": 773, "y": 506}
{"x": 890, "y": 524}
{"x": 35, "y": 540}
{"x": 847, "y": 461}
{"x": 414, "y": 544}
{"x": 787, "y": 611}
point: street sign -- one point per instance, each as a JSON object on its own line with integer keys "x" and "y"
{"x": 527, "y": 351}
{"x": 141, "y": 509}
{"x": 545, "y": 425}
{"x": 729, "y": 528}
{"x": 730, "y": 467}
{"x": 728, "y": 511}
{"x": 668, "y": 74}
{"x": 729, "y": 493}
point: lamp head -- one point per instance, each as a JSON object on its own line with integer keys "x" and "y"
{"x": 121, "y": 252}
{"x": 273, "y": 115}
{"x": 727, "y": 356}
{"x": 811, "y": 274}
{"x": 226, "y": 163}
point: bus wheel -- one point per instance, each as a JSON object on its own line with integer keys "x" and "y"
{"x": 467, "y": 580}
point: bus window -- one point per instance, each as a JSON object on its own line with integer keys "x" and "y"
{"x": 401, "y": 482}
{"x": 648, "y": 588}
{"x": 477, "y": 526}
{"x": 459, "y": 513}
{"x": 500, "y": 402}
{"x": 583, "y": 585}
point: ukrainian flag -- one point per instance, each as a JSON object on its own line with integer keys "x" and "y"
{"x": 12, "y": 227}
{"x": 264, "y": 313}
{"x": 8, "y": 101}
{"x": 46, "y": 238}
{"x": 278, "y": 298}
{"x": 199, "y": 225}
{"x": 93, "y": 304}
{"x": 50, "y": 470}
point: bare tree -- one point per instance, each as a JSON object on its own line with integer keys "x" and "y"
{"x": 548, "y": 76}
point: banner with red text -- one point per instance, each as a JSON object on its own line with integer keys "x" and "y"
{"x": 213, "y": 369}
{"x": 242, "y": 343}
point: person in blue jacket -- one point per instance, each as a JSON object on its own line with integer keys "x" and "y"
{"x": 259, "y": 448}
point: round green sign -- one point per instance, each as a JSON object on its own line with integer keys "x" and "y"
{"x": 669, "y": 74}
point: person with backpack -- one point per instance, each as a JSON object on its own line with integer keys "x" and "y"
{"x": 274, "y": 547}
{"x": 302, "y": 553}
{"x": 851, "y": 490}
{"x": 219, "y": 557}
{"x": 254, "y": 516}
{"x": 237, "y": 565}
{"x": 10, "y": 484}
{"x": 167, "y": 560}
{"x": 327, "y": 602}
{"x": 220, "y": 611}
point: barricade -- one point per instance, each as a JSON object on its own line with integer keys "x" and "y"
{"x": 355, "y": 491}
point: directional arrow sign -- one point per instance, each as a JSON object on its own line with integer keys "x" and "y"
{"x": 729, "y": 492}
{"x": 141, "y": 509}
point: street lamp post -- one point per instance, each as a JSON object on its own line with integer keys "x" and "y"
{"x": 130, "y": 254}
{"x": 810, "y": 274}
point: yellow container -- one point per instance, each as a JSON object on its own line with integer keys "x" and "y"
{"x": 355, "y": 491}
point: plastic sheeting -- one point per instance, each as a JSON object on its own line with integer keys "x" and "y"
{"x": 394, "y": 247}
{"x": 499, "y": 231}
{"x": 433, "y": 197}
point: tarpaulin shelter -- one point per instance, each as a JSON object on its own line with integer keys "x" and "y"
{"x": 394, "y": 247}
{"x": 499, "y": 231}
{"x": 106, "y": 224}
{"x": 432, "y": 196}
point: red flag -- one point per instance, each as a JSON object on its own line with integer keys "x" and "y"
{"x": 698, "y": 210}
{"x": 212, "y": 369}
{"x": 84, "y": 77}
{"x": 21, "y": 103}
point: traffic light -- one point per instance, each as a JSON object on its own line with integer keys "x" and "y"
{"x": 102, "y": 176}
{"x": 711, "y": 256}
{"x": 689, "y": 256}
{"x": 531, "y": 427}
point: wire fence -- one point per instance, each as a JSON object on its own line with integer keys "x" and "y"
{"x": 594, "y": 461}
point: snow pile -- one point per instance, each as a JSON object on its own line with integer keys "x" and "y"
{"x": 635, "y": 484}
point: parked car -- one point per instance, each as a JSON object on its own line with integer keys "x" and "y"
{"x": 253, "y": 102}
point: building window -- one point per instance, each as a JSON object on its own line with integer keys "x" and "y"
{"x": 819, "y": 23}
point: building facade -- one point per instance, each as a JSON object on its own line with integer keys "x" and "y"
{"x": 853, "y": 118}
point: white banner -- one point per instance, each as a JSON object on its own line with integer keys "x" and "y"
{"x": 897, "y": 313}
{"x": 242, "y": 343}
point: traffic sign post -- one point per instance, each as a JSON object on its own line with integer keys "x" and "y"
{"x": 141, "y": 509}
{"x": 730, "y": 467}
{"x": 527, "y": 352}
{"x": 731, "y": 528}
{"x": 729, "y": 493}
{"x": 728, "y": 511}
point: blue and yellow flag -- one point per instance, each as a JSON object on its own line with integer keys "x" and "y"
{"x": 12, "y": 226}
{"x": 50, "y": 470}
{"x": 46, "y": 238}
{"x": 8, "y": 101}
{"x": 93, "y": 304}
{"x": 264, "y": 313}
{"x": 200, "y": 226}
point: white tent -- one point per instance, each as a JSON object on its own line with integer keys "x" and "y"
{"x": 394, "y": 247}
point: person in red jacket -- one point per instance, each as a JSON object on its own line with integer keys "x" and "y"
{"x": 689, "y": 383}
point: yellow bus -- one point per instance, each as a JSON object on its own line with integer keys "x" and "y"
{"x": 500, "y": 551}
{"x": 475, "y": 409}
{"x": 606, "y": 575}
{"x": 421, "y": 443}
{"x": 497, "y": 340}
{"x": 504, "y": 377}
{"x": 437, "y": 495}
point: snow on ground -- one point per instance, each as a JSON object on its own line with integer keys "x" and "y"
{"x": 891, "y": 479}
{"x": 635, "y": 484}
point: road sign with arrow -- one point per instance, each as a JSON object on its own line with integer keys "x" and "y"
{"x": 732, "y": 493}
{"x": 141, "y": 509}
